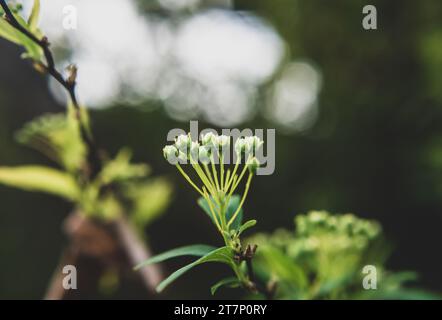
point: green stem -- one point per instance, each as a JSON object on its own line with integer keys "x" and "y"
{"x": 246, "y": 191}
{"x": 215, "y": 173}
{"x": 189, "y": 180}
{"x": 239, "y": 274}
{"x": 231, "y": 191}
{"x": 202, "y": 176}
{"x": 209, "y": 175}
{"x": 221, "y": 157}
{"x": 227, "y": 180}
{"x": 235, "y": 185}
{"x": 212, "y": 211}
{"x": 233, "y": 173}
{"x": 222, "y": 213}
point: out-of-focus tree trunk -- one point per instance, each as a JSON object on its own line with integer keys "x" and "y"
{"x": 95, "y": 247}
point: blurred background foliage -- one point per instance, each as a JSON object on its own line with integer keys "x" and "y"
{"x": 357, "y": 115}
{"x": 329, "y": 257}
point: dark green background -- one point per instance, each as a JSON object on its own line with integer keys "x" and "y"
{"x": 376, "y": 149}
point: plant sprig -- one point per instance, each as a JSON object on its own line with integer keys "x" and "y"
{"x": 107, "y": 191}
{"x": 217, "y": 184}
{"x": 33, "y": 34}
{"x": 213, "y": 182}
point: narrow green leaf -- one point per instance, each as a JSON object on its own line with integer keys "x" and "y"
{"x": 34, "y": 17}
{"x": 33, "y": 50}
{"x": 9, "y": 33}
{"x": 221, "y": 255}
{"x": 230, "y": 282}
{"x": 283, "y": 267}
{"x": 40, "y": 179}
{"x": 121, "y": 169}
{"x": 198, "y": 250}
{"x": 246, "y": 226}
{"x": 20, "y": 20}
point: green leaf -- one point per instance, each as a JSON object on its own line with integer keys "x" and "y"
{"x": 205, "y": 206}
{"x": 33, "y": 50}
{"x": 121, "y": 169}
{"x": 148, "y": 199}
{"x": 333, "y": 283}
{"x": 246, "y": 226}
{"x": 231, "y": 208}
{"x": 283, "y": 267}
{"x": 58, "y": 137}
{"x": 230, "y": 282}
{"x": 108, "y": 208}
{"x": 221, "y": 255}
{"x": 9, "y": 33}
{"x": 35, "y": 15}
{"x": 198, "y": 250}
{"x": 41, "y": 179}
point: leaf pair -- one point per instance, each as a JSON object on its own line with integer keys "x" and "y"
{"x": 58, "y": 137}
{"x": 206, "y": 253}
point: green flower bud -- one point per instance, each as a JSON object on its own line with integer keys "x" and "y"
{"x": 240, "y": 146}
{"x": 170, "y": 153}
{"x": 194, "y": 150}
{"x": 210, "y": 140}
{"x": 182, "y": 157}
{"x": 253, "y": 165}
{"x": 224, "y": 141}
{"x": 253, "y": 144}
{"x": 204, "y": 154}
{"x": 183, "y": 143}
{"x": 248, "y": 148}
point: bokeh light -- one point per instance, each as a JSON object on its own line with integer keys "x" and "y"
{"x": 293, "y": 102}
{"x": 208, "y": 65}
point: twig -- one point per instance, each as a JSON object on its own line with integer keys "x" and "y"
{"x": 248, "y": 256}
{"x": 69, "y": 84}
{"x": 255, "y": 286}
{"x": 125, "y": 236}
{"x": 44, "y": 44}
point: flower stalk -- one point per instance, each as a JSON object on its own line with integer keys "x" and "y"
{"x": 217, "y": 182}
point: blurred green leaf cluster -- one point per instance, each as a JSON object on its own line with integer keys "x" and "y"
{"x": 119, "y": 185}
{"x": 57, "y": 136}
{"x": 324, "y": 259}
